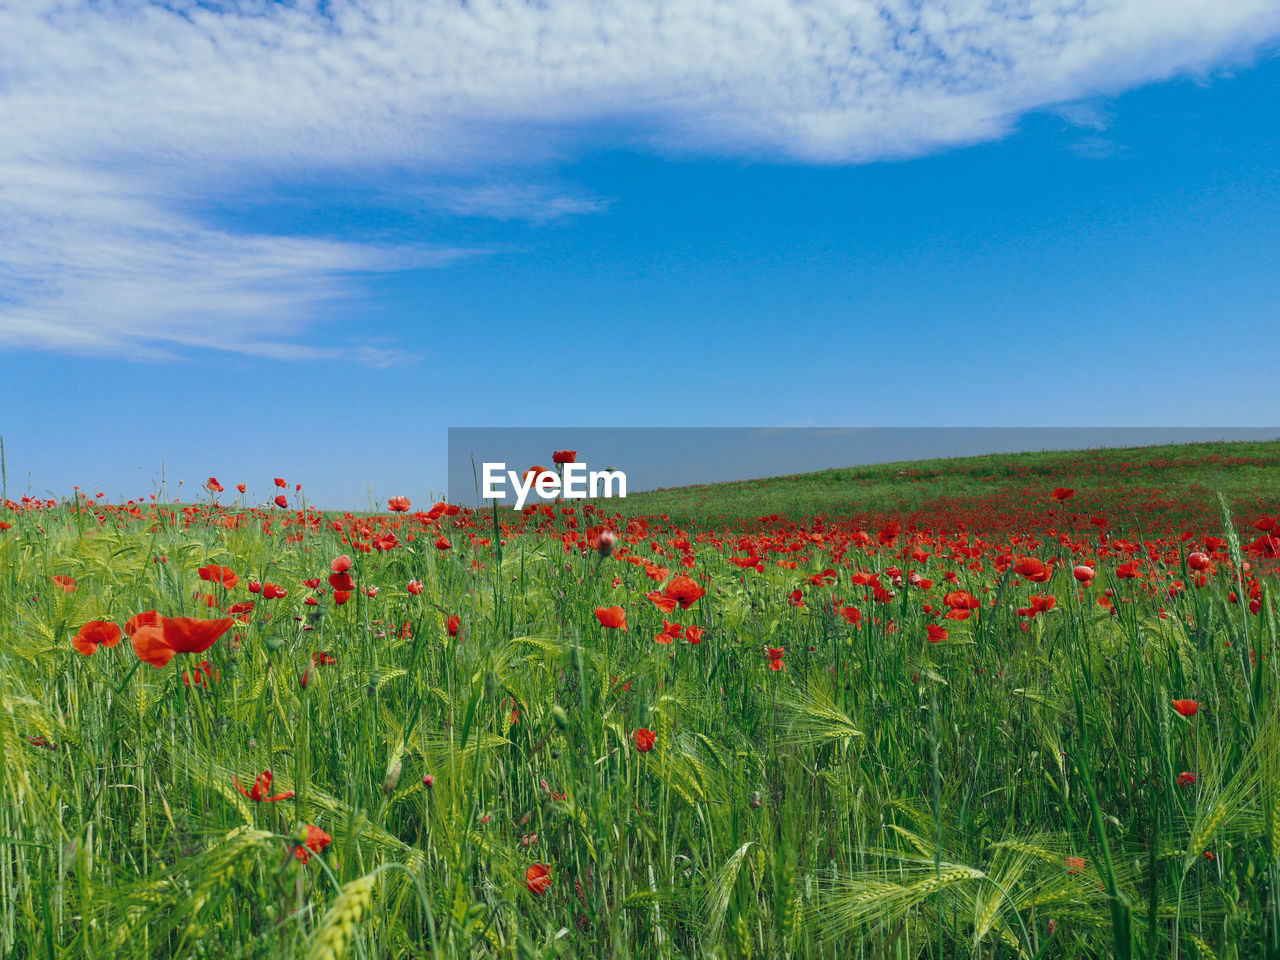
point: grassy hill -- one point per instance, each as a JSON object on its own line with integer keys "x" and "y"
{"x": 1187, "y": 477}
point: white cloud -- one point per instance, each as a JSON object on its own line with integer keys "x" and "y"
{"x": 122, "y": 120}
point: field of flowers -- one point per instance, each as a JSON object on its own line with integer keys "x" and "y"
{"x": 1042, "y": 730}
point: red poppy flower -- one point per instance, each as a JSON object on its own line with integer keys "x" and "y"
{"x": 532, "y": 474}
{"x": 68, "y": 584}
{"x": 213, "y": 485}
{"x": 215, "y": 574}
{"x": 281, "y": 502}
{"x": 694, "y": 634}
{"x": 615, "y": 618}
{"x": 537, "y": 879}
{"x": 453, "y": 624}
{"x": 961, "y": 600}
{"x": 1063, "y": 493}
{"x": 1188, "y": 708}
{"x": 775, "y": 657}
{"x": 1034, "y": 570}
{"x": 93, "y": 633}
{"x": 443, "y": 543}
{"x": 261, "y": 789}
{"x": 1083, "y": 573}
{"x": 398, "y": 504}
{"x": 280, "y": 483}
{"x": 565, "y": 456}
{"x": 936, "y": 633}
{"x": 684, "y": 591}
{"x": 315, "y": 842}
{"x": 660, "y": 600}
{"x": 242, "y": 487}
{"x": 205, "y": 675}
{"x": 644, "y": 739}
{"x": 415, "y": 587}
{"x": 157, "y": 638}
{"x": 340, "y": 564}
{"x": 1075, "y": 865}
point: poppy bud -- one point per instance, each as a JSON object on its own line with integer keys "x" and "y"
{"x": 605, "y": 543}
{"x": 428, "y": 781}
{"x": 560, "y": 717}
{"x": 392, "y": 778}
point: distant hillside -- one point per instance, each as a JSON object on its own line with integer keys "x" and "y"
{"x": 1175, "y": 480}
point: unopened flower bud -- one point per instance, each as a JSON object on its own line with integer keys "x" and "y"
{"x": 392, "y": 778}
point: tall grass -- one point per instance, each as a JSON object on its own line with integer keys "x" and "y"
{"x": 1011, "y": 791}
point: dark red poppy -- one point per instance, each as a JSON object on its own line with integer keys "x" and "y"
{"x": 565, "y": 456}
{"x": 644, "y": 739}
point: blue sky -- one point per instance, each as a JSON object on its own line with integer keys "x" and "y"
{"x": 304, "y": 283}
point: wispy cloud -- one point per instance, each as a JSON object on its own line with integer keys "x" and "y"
{"x": 123, "y": 118}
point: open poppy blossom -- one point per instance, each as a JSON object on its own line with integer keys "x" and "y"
{"x": 398, "y": 504}
{"x": 936, "y": 633}
{"x": 537, "y": 879}
{"x": 684, "y": 590}
{"x": 660, "y": 600}
{"x": 261, "y": 788}
{"x": 1037, "y": 571}
{"x": 315, "y": 842}
{"x": 564, "y": 456}
{"x": 615, "y": 618}
{"x": 644, "y": 739}
{"x": 1188, "y": 708}
{"x": 65, "y": 583}
{"x": 157, "y": 638}
{"x": 220, "y": 575}
{"x": 96, "y": 633}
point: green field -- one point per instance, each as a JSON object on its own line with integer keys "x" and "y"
{"x": 915, "y": 712}
{"x": 1191, "y": 474}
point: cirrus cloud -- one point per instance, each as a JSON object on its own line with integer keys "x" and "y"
{"x": 127, "y": 121}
